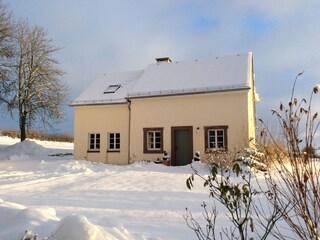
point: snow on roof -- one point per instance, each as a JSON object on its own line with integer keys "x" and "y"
{"x": 170, "y": 78}
{"x": 98, "y": 93}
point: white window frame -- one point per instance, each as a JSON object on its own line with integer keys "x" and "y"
{"x": 215, "y": 139}
{"x": 153, "y": 140}
{"x": 94, "y": 142}
{"x": 113, "y": 144}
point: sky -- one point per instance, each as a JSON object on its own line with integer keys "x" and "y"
{"x": 104, "y": 36}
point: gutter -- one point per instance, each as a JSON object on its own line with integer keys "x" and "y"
{"x": 95, "y": 103}
{"x": 129, "y": 132}
{"x": 179, "y": 93}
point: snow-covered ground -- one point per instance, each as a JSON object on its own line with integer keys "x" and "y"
{"x": 46, "y": 192}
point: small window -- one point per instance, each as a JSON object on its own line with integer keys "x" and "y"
{"x": 216, "y": 138}
{"x": 112, "y": 89}
{"x": 94, "y": 141}
{"x": 153, "y": 140}
{"x": 113, "y": 141}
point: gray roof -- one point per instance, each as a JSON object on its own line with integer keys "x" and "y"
{"x": 171, "y": 78}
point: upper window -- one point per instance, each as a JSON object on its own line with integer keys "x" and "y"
{"x": 112, "y": 88}
{"x": 153, "y": 140}
{"x": 216, "y": 138}
{"x": 113, "y": 141}
{"x": 94, "y": 141}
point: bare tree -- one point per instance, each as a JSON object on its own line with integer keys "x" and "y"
{"x": 6, "y": 46}
{"x": 6, "y": 30}
{"x": 33, "y": 89}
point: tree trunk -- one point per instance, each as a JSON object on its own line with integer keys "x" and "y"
{"x": 22, "y": 123}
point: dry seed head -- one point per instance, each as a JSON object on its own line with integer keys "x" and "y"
{"x": 281, "y": 106}
{"x": 316, "y": 88}
{"x": 294, "y": 119}
{"x": 315, "y": 116}
{"x": 300, "y": 73}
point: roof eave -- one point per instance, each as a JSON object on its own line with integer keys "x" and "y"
{"x": 166, "y": 94}
{"x": 98, "y": 102}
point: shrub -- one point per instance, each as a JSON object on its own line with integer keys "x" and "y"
{"x": 234, "y": 189}
{"x": 220, "y": 158}
{"x": 294, "y": 178}
{"x": 253, "y": 158}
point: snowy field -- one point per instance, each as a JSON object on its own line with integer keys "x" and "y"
{"x": 43, "y": 190}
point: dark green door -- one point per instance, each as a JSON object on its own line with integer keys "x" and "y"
{"x": 182, "y": 146}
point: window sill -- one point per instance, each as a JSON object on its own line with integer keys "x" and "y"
{"x": 215, "y": 150}
{"x": 113, "y": 151}
{"x": 153, "y": 151}
{"x": 93, "y": 151}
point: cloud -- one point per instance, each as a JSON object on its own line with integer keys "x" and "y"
{"x": 101, "y": 36}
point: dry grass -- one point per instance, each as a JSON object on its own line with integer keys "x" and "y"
{"x": 223, "y": 159}
{"x": 64, "y": 137}
{"x": 272, "y": 150}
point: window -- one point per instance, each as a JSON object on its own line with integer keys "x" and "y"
{"x": 94, "y": 141}
{"x": 113, "y": 141}
{"x": 112, "y": 89}
{"x": 216, "y": 138}
{"x": 153, "y": 140}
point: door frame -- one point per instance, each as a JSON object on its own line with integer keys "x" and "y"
{"x": 173, "y": 142}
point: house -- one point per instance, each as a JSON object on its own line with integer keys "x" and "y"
{"x": 177, "y": 107}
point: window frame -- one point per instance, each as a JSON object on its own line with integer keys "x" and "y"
{"x": 97, "y": 144}
{"x": 146, "y": 149}
{"x": 207, "y": 129}
{"x": 112, "y": 88}
{"x": 114, "y": 142}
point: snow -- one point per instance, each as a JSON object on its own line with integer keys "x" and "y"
{"x": 200, "y": 75}
{"x": 44, "y": 192}
{"x": 194, "y": 76}
{"x": 95, "y": 92}
{"x": 17, "y": 218}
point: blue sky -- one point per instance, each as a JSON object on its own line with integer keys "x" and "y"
{"x": 102, "y": 36}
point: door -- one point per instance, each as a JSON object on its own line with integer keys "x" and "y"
{"x": 181, "y": 146}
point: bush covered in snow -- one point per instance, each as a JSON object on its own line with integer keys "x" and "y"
{"x": 253, "y": 158}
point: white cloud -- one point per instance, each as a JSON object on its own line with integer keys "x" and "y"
{"x": 106, "y": 36}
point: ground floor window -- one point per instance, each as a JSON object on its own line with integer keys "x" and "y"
{"x": 113, "y": 141}
{"x": 94, "y": 141}
{"x": 153, "y": 140}
{"x": 216, "y": 138}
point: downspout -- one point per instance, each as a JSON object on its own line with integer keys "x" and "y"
{"x": 253, "y": 95}
{"x": 129, "y": 131}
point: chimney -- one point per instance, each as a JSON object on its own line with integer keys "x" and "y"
{"x": 163, "y": 59}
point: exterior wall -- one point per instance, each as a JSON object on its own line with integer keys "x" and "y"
{"x": 198, "y": 111}
{"x": 101, "y": 119}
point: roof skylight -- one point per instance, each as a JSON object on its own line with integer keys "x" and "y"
{"x": 112, "y": 88}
